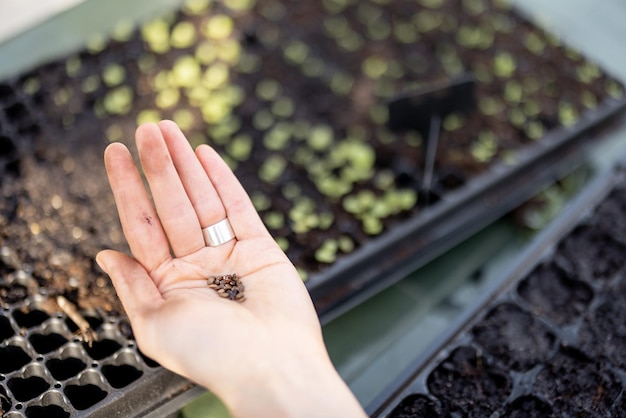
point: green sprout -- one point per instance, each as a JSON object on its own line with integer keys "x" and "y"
{"x": 432, "y": 4}
{"x": 588, "y": 99}
{"x": 475, "y": 37}
{"x": 219, "y": 26}
{"x": 513, "y": 92}
{"x": 296, "y": 52}
{"x": 263, "y": 120}
{"x": 260, "y": 201}
{"x": 379, "y": 113}
{"x": 490, "y": 105}
{"x": 405, "y": 32}
{"x": 504, "y": 65}
{"x": 534, "y": 130}
{"x": 123, "y": 30}
{"x": 206, "y": 52}
{"x": 272, "y": 168}
{"x": 517, "y": 117}
{"x": 485, "y": 147}
{"x": 532, "y": 108}
{"x": 614, "y": 89}
{"x": 474, "y": 7}
{"x": 320, "y": 137}
{"x": 278, "y": 137}
{"x": 327, "y": 253}
{"x": 335, "y": 6}
{"x": 346, "y": 244}
{"x": 427, "y": 21}
{"x": 215, "y": 76}
{"x": 167, "y": 98}
{"x": 184, "y": 119}
{"x": 534, "y": 43}
{"x": 196, "y": 7}
{"x": 186, "y": 72}
{"x": 118, "y": 101}
{"x": 274, "y": 220}
{"x": 183, "y": 35}
{"x": 113, "y": 75}
{"x": 332, "y": 187}
{"x": 268, "y": 89}
{"x": 588, "y": 72}
{"x": 283, "y": 243}
{"x": 229, "y": 51}
{"x": 283, "y": 107}
{"x": 453, "y": 122}
{"x": 148, "y": 116}
{"x": 156, "y": 35}
{"x": 73, "y": 66}
{"x": 372, "y": 225}
{"x": 568, "y": 115}
{"x": 96, "y": 43}
{"x": 31, "y": 85}
{"x": 239, "y": 5}
{"x": 374, "y": 67}
{"x": 313, "y": 67}
{"x": 291, "y": 191}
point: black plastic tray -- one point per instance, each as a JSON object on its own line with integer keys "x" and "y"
{"x": 544, "y": 253}
{"x": 457, "y": 216}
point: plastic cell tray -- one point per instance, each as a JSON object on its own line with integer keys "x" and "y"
{"x": 46, "y": 371}
{"x": 547, "y": 340}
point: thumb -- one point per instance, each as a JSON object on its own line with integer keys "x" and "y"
{"x": 134, "y": 286}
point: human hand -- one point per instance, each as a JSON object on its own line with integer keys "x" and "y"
{"x": 263, "y": 356}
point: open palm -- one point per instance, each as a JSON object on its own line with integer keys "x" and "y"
{"x": 177, "y": 319}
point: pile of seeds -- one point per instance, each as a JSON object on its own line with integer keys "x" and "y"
{"x": 227, "y": 286}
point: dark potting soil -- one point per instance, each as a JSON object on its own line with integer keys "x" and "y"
{"x": 550, "y": 292}
{"x": 514, "y": 337}
{"x": 470, "y": 383}
{"x": 293, "y": 94}
{"x": 552, "y": 344}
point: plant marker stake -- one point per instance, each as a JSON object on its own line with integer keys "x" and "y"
{"x": 424, "y": 109}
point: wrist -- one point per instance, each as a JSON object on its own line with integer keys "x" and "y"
{"x": 305, "y": 387}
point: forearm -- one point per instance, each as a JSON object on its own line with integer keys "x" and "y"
{"x": 314, "y": 389}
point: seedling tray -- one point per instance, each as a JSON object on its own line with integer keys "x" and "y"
{"x": 294, "y": 95}
{"x": 547, "y": 339}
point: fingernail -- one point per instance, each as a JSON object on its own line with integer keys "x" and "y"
{"x": 101, "y": 262}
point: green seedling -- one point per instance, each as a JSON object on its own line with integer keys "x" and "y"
{"x": 148, "y": 116}
{"x": 374, "y": 67}
{"x": 73, "y": 66}
{"x": 272, "y": 168}
{"x": 113, "y": 75}
{"x": 261, "y": 201}
{"x": 274, "y": 220}
{"x": 504, "y": 65}
{"x": 313, "y": 67}
{"x": 196, "y": 7}
{"x": 31, "y": 85}
{"x": 327, "y": 253}
{"x": 568, "y": 115}
{"x": 184, "y": 118}
{"x": 485, "y": 147}
{"x": 534, "y": 43}
{"x": 278, "y": 137}
{"x": 219, "y": 26}
{"x": 320, "y": 137}
{"x": 183, "y": 35}
{"x": 118, "y": 101}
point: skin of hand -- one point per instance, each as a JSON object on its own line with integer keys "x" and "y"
{"x": 264, "y": 356}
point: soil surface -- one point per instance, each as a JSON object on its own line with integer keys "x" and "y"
{"x": 283, "y": 91}
{"x": 555, "y": 343}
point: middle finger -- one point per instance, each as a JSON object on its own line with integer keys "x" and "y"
{"x": 172, "y": 204}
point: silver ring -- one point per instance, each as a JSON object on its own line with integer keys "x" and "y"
{"x": 219, "y": 233}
